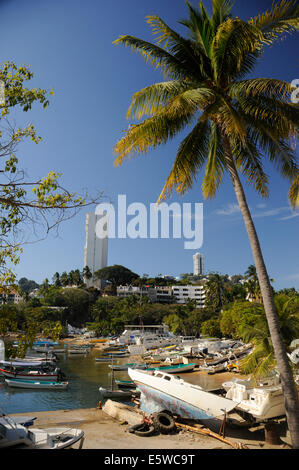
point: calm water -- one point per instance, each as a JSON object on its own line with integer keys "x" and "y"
{"x": 84, "y": 375}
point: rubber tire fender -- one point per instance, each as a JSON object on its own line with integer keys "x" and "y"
{"x": 163, "y": 422}
{"x": 142, "y": 429}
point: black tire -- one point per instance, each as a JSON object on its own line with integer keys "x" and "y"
{"x": 163, "y": 422}
{"x": 142, "y": 429}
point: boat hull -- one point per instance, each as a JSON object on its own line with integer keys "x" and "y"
{"x": 36, "y": 385}
{"x": 161, "y": 391}
{"x": 30, "y": 376}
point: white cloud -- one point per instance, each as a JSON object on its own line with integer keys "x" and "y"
{"x": 229, "y": 210}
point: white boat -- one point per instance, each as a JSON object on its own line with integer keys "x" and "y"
{"x": 40, "y": 385}
{"x": 31, "y": 375}
{"x": 161, "y": 391}
{"x": 13, "y": 434}
{"x": 258, "y": 403}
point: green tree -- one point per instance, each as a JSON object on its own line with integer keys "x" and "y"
{"x": 237, "y": 121}
{"x": 116, "y": 274}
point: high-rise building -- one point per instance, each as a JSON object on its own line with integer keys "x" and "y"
{"x": 198, "y": 264}
{"x": 96, "y": 248}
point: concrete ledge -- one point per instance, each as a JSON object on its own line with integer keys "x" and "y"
{"x": 122, "y": 412}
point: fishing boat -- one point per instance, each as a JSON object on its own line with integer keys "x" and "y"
{"x": 78, "y": 351}
{"x": 174, "y": 368}
{"x": 31, "y": 374}
{"x": 102, "y": 359}
{"x": 38, "y": 385}
{"x": 108, "y": 393}
{"x": 112, "y": 392}
{"x": 13, "y": 433}
{"x": 132, "y": 365}
{"x": 161, "y": 391}
{"x": 125, "y": 383}
{"x": 116, "y": 354}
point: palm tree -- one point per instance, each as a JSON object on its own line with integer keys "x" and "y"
{"x": 237, "y": 122}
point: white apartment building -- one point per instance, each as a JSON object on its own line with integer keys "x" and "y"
{"x": 183, "y": 293}
{"x": 125, "y": 291}
{"x": 96, "y": 249}
{"x": 165, "y": 294}
{"x": 198, "y": 264}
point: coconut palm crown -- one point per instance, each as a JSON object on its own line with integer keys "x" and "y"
{"x": 206, "y": 88}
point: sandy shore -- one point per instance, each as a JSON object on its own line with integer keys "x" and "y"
{"x": 103, "y": 432}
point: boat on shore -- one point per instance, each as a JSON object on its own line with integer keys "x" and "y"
{"x": 14, "y": 434}
{"x": 174, "y": 368}
{"x": 132, "y": 365}
{"x": 161, "y": 391}
{"x": 125, "y": 383}
{"x": 37, "y": 385}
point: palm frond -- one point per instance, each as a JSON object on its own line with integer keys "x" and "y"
{"x": 234, "y": 50}
{"x": 221, "y": 12}
{"x": 182, "y": 49}
{"x": 248, "y": 160}
{"x": 270, "y": 87}
{"x": 215, "y": 164}
{"x": 294, "y": 192}
{"x": 199, "y": 28}
{"x": 158, "y": 129}
{"x": 157, "y": 97}
{"x": 170, "y": 66}
{"x": 283, "y": 18}
{"x": 190, "y": 159}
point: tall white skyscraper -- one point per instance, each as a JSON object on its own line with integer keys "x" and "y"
{"x": 198, "y": 264}
{"x": 96, "y": 249}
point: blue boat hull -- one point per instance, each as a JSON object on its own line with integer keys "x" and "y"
{"x": 153, "y": 400}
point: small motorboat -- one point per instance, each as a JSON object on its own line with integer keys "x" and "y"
{"x": 110, "y": 393}
{"x": 32, "y": 374}
{"x": 131, "y": 365}
{"x": 38, "y": 385}
{"x": 13, "y": 433}
{"x": 125, "y": 383}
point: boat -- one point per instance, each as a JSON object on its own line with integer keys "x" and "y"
{"x": 161, "y": 391}
{"x": 108, "y": 393}
{"x": 34, "y": 384}
{"x": 259, "y": 403}
{"x": 174, "y": 368}
{"x": 112, "y": 392}
{"x": 213, "y": 369}
{"x": 31, "y": 374}
{"x": 13, "y": 433}
{"x": 102, "y": 359}
{"x": 78, "y": 351}
{"x": 125, "y": 383}
{"x": 132, "y": 365}
{"x": 116, "y": 354}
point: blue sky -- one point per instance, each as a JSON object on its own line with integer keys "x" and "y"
{"x": 68, "y": 44}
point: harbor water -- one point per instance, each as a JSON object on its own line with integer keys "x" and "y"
{"x": 84, "y": 376}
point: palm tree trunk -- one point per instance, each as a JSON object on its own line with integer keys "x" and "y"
{"x": 288, "y": 386}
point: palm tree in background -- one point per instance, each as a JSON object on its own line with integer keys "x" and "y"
{"x": 236, "y": 122}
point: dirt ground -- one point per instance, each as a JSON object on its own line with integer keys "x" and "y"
{"x": 103, "y": 432}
